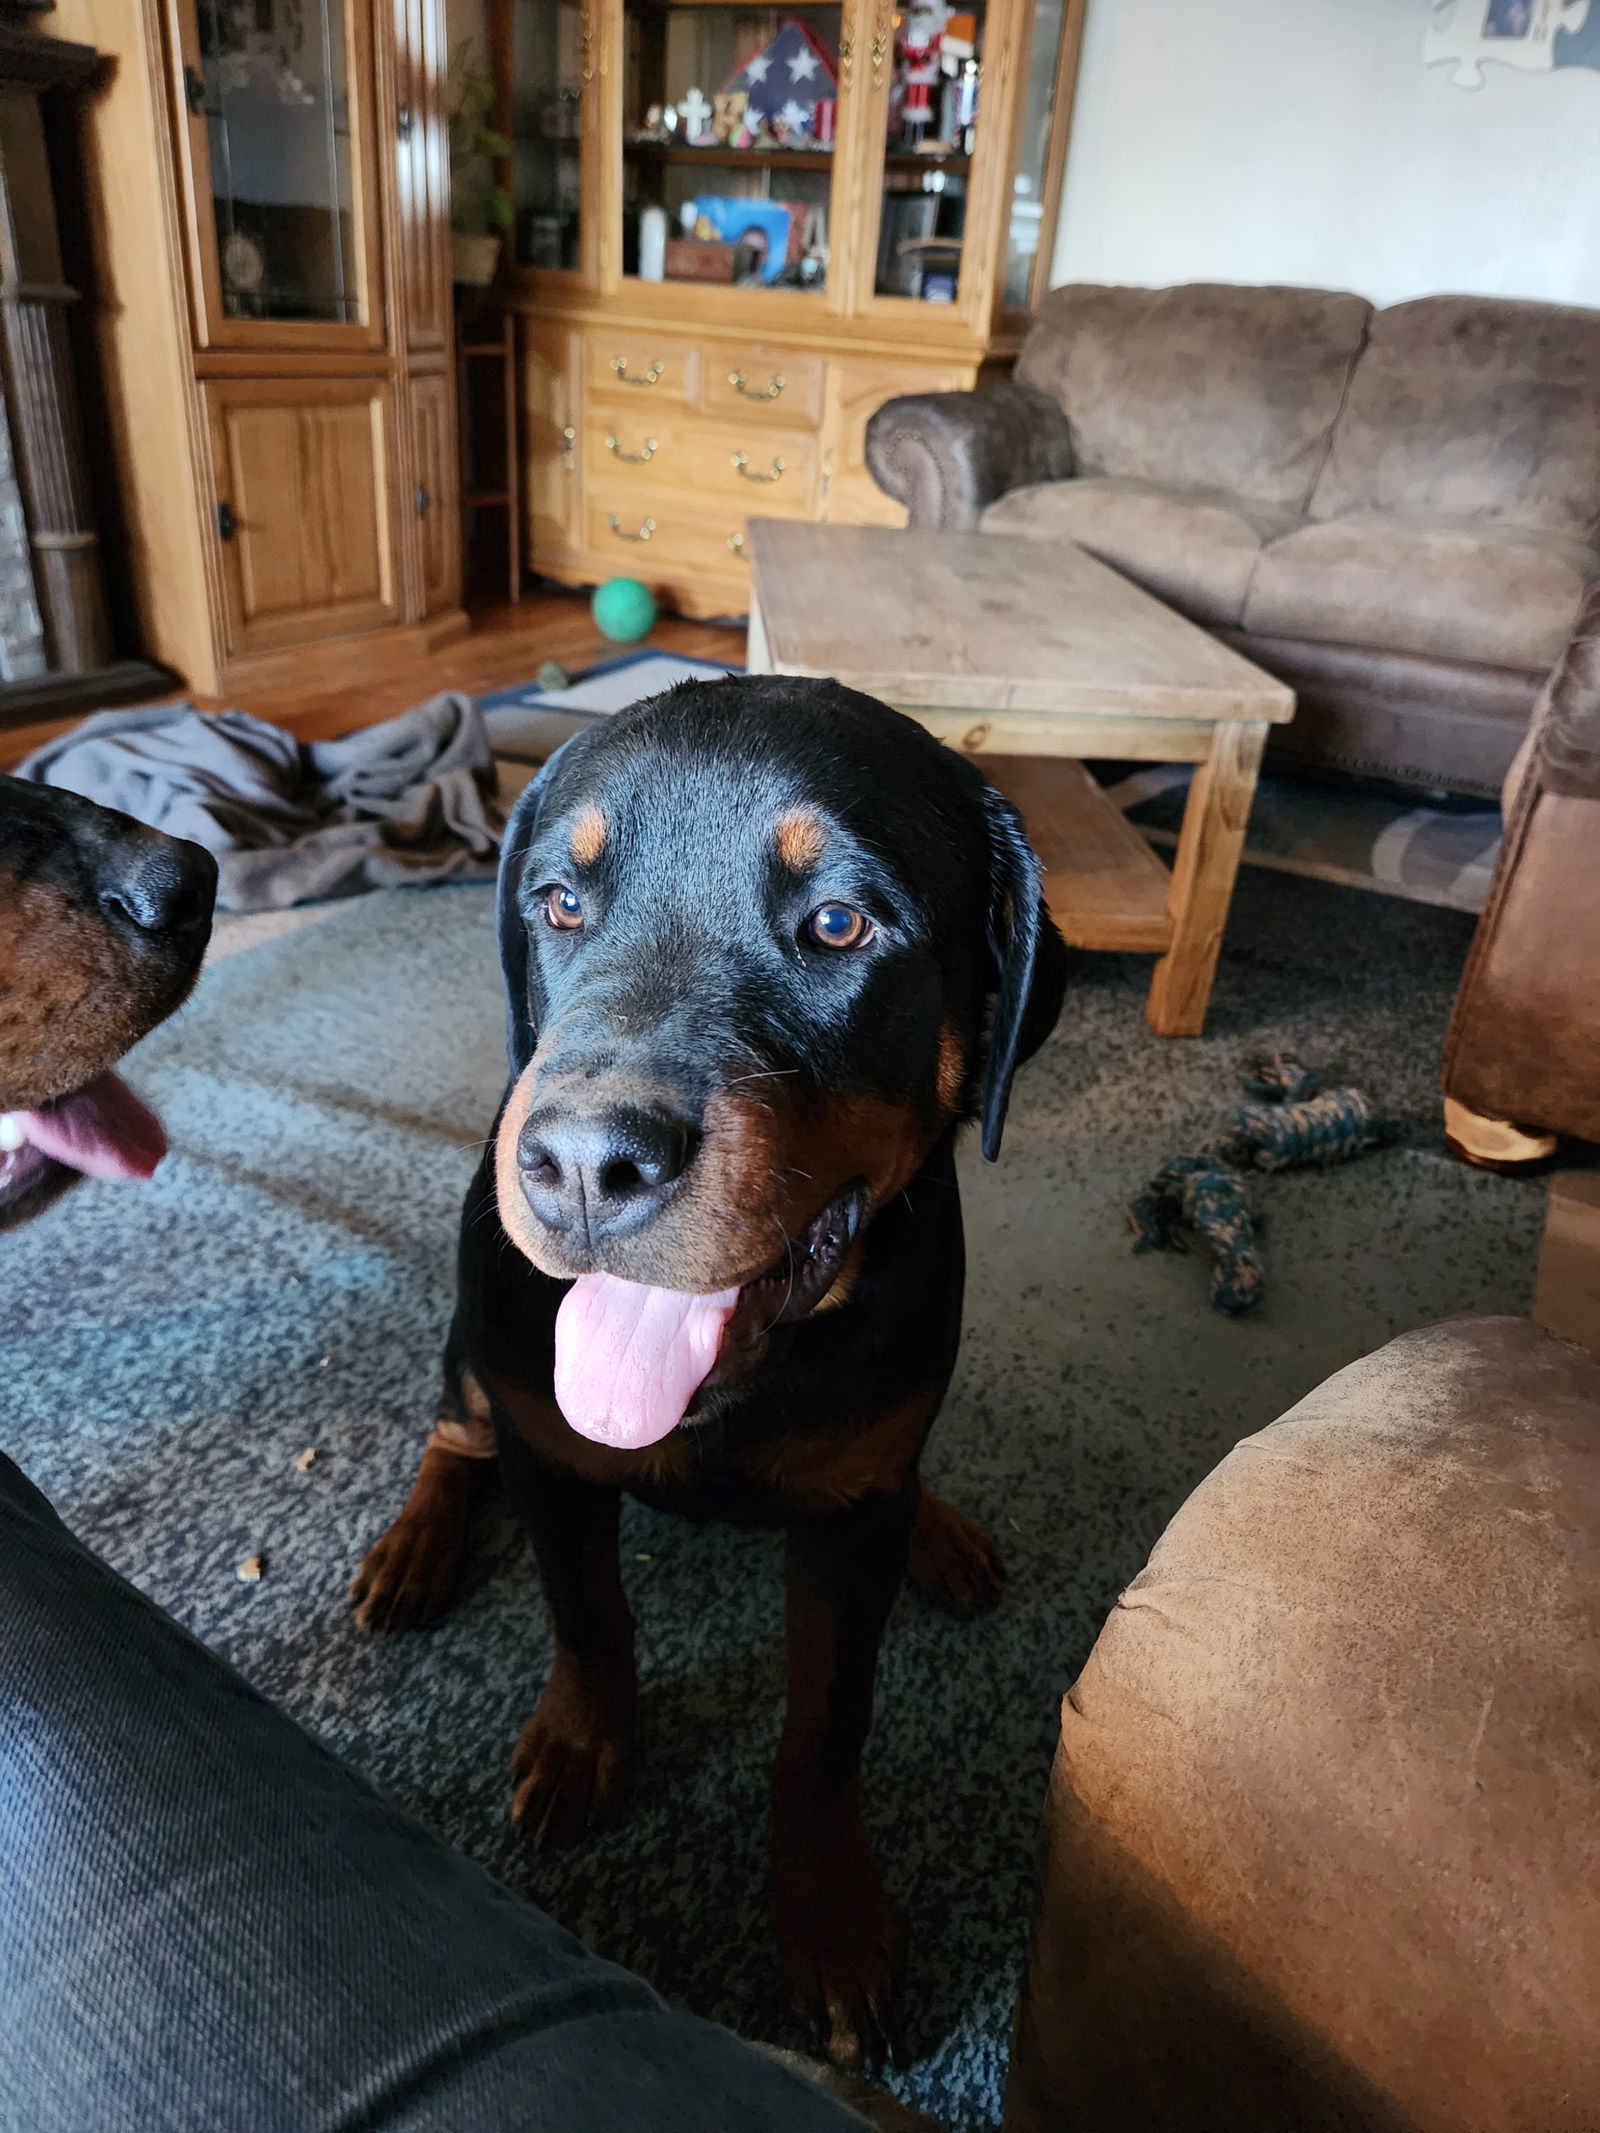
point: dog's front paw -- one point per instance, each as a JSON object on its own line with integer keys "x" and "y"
{"x": 842, "y": 1945}
{"x": 574, "y": 1759}
{"x": 953, "y": 1562}
{"x": 409, "y": 1578}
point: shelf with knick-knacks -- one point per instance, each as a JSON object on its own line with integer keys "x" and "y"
{"x": 843, "y": 201}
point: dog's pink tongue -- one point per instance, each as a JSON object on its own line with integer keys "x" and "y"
{"x": 104, "y": 1131}
{"x": 629, "y": 1359}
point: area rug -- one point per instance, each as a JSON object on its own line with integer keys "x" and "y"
{"x": 283, "y": 1285}
{"x": 1431, "y": 851}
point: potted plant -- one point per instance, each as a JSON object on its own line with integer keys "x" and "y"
{"x": 480, "y": 209}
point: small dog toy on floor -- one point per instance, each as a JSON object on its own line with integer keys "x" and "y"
{"x": 1288, "y": 1126}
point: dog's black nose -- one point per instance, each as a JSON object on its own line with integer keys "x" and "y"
{"x": 605, "y": 1172}
{"x": 159, "y": 884}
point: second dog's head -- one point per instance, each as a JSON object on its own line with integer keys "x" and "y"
{"x": 103, "y": 924}
{"x": 765, "y": 943}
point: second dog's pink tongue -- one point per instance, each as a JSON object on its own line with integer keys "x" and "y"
{"x": 629, "y": 1359}
{"x": 103, "y": 1130}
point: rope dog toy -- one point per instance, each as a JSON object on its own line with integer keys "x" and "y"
{"x": 1288, "y": 1126}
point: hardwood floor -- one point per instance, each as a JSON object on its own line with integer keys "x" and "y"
{"x": 506, "y": 646}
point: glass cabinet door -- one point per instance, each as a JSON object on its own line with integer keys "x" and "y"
{"x": 553, "y": 52}
{"x": 275, "y": 169}
{"x": 730, "y": 122}
{"x": 1041, "y": 154}
{"x": 927, "y": 63}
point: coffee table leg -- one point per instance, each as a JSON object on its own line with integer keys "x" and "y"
{"x": 757, "y": 659}
{"x": 1203, "y": 872}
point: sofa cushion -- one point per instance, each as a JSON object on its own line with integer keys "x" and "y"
{"x": 1321, "y": 1846}
{"x": 1472, "y": 407}
{"x": 1204, "y": 387}
{"x": 1197, "y": 552}
{"x": 1454, "y": 588}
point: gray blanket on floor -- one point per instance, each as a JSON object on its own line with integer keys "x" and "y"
{"x": 410, "y": 800}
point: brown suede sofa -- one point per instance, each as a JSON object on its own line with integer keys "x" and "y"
{"x": 1522, "y": 1056}
{"x": 1322, "y": 1848}
{"x": 1397, "y": 512}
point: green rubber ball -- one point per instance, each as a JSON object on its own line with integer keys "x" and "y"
{"x": 623, "y": 610}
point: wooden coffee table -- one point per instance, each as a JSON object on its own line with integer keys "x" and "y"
{"x": 1035, "y": 656}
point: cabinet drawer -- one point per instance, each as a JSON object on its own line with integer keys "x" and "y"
{"x": 662, "y": 537}
{"x": 745, "y": 380}
{"x": 752, "y": 465}
{"x": 641, "y": 367}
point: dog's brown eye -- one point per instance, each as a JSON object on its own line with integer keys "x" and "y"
{"x": 564, "y": 909}
{"x": 837, "y": 926}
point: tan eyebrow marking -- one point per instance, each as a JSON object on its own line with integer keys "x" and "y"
{"x": 588, "y": 836}
{"x": 801, "y": 838}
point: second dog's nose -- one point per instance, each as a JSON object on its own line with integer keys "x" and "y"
{"x": 602, "y": 1173}
{"x": 159, "y": 884}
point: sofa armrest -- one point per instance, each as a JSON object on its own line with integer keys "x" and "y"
{"x": 1567, "y": 723}
{"x": 945, "y": 456}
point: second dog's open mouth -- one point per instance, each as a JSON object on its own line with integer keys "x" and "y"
{"x": 101, "y": 1130}
{"x": 632, "y": 1360}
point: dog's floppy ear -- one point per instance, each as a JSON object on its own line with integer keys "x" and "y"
{"x": 1029, "y": 957}
{"x": 509, "y": 922}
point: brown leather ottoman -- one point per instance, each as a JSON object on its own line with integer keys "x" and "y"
{"x": 1322, "y": 1847}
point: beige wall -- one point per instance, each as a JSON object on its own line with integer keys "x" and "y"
{"x": 1305, "y": 141}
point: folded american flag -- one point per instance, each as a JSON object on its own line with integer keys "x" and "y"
{"x": 786, "y": 80}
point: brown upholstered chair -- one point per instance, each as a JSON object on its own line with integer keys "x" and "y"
{"x": 1522, "y": 1056}
{"x": 1395, "y": 511}
{"x": 1322, "y": 1847}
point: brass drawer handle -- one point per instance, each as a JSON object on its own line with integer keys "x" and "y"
{"x": 569, "y": 443}
{"x": 646, "y": 528}
{"x": 633, "y": 459}
{"x": 741, "y": 465}
{"x": 775, "y": 386}
{"x": 620, "y": 365}
{"x": 736, "y": 543}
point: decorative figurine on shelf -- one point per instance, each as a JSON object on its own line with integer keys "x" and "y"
{"x": 695, "y": 111}
{"x": 660, "y": 124}
{"x": 783, "y": 84}
{"x": 727, "y": 117}
{"x": 958, "y": 60}
{"x": 917, "y": 55}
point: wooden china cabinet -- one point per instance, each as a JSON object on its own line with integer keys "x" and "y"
{"x": 694, "y": 353}
{"x": 273, "y": 249}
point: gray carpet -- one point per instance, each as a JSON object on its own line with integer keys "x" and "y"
{"x": 284, "y": 1283}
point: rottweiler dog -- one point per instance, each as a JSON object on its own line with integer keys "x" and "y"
{"x": 767, "y": 946}
{"x": 103, "y": 924}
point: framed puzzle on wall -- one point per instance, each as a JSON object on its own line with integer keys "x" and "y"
{"x": 1534, "y": 36}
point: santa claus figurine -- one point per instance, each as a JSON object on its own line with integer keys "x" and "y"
{"x": 917, "y": 52}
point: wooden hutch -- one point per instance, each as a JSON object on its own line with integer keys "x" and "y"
{"x": 274, "y": 324}
{"x": 659, "y": 411}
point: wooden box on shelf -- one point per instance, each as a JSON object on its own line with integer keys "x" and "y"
{"x": 920, "y": 151}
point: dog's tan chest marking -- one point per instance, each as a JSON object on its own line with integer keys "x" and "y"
{"x": 801, "y": 838}
{"x": 825, "y": 1471}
